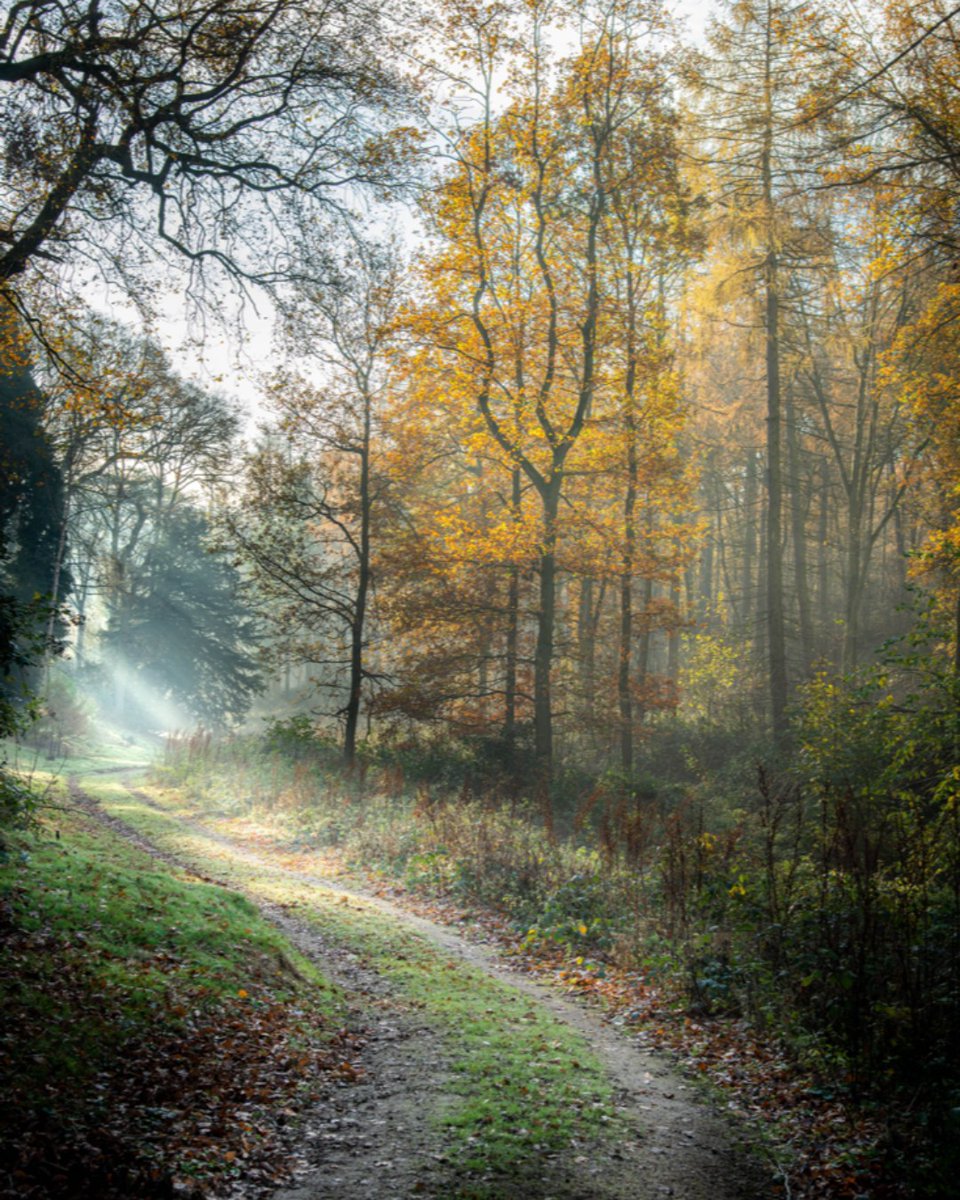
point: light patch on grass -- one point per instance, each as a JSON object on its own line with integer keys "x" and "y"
{"x": 95, "y": 756}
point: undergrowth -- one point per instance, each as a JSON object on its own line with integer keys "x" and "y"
{"x": 817, "y": 898}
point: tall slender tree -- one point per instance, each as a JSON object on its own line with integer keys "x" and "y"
{"x": 527, "y": 226}
{"x": 306, "y": 524}
{"x": 765, "y": 60}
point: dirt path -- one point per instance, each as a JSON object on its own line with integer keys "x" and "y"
{"x": 375, "y": 1138}
{"x": 378, "y": 1139}
{"x": 682, "y": 1147}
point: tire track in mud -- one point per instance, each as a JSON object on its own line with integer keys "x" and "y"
{"x": 376, "y": 1140}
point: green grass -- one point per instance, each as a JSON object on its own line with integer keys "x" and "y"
{"x": 522, "y": 1082}
{"x": 109, "y": 956}
{"x": 87, "y": 755}
{"x": 142, "y": 933}
{"x": 131, "y": 914}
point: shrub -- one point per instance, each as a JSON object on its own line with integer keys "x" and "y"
{"x": 63, "y": 716}
{"x": 298, "y": 738}
{"x": 18, "y": 801}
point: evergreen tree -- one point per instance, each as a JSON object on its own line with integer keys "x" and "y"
{"x": 181, "y": 626}
{"x": 30, "y": 532}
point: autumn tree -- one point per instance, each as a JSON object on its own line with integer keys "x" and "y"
{"x": 850, "y": 317}
{"x": 193, "y": 128}
{"x": 136, "y": 454}
{"x": 132, "y": 449}
{"x": 919, "y": 369}
{"x": 766, "y": 60}
{"x": 648, "y": 241}
{"x": 306, "y": 524}
{"x": 206, "y": 134}
{"x": 459, "y": 552}
{"x": 522, "y": 283}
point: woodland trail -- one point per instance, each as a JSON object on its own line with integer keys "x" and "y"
{"x": 382, "y": 1139}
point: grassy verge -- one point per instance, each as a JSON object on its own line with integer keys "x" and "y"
{"x": 523, "y": 1085}
{"x": 150, "y": 1023}
{"x": 83, "y": 754}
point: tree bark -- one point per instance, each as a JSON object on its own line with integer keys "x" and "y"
{"x": 776, "y": 630}
{"x": 624, "y": 694}
{"x": 546, "y": 623}
{"x": 748, "y": 605}
{"x": 586, "y": 644}
{"x": 799, "y": 535}
{"x": 673, "y": 641}
{"x": 643, "y": 649}
{"x": 823, "y": 568}
{"x": 357, "y": 626}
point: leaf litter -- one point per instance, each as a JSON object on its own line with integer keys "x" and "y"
{"x": 668, "y": 1141}
{"x": 115, "y": 1090}
{"x": 820, "y": 1143}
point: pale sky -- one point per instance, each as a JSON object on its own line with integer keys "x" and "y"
{"x": 224, "y": 359}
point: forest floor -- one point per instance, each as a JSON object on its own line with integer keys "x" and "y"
{"x": 466, "y": 1078}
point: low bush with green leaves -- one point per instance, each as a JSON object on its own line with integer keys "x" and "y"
{"x": 19, "y": 800}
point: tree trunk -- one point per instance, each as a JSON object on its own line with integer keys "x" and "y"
{"x": 823, "y": 566}
{"x": 586, "y": 644}
{"x": 956, "y": 637}
{"x": 748, "y": 605}
{"x": 643, "y": 649}
{"x": 543, "y": 654}
{"x": 799, "y": 534}
{"x": 352, "y": 709}
{"x": 776, "y": 630}
{"x": 705, "y": 586}
{"x": 762, "y": 625}
{"x": 513, "y": 634}
{"x": 854, "y": 580}
{"x": 81, "y": 595}
{"x": 624, "y": 694}
{"x": 510, "y": 665}
{"x": 673, "y": 642}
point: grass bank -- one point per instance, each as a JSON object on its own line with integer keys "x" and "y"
{"x": 152, "y": 1023}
